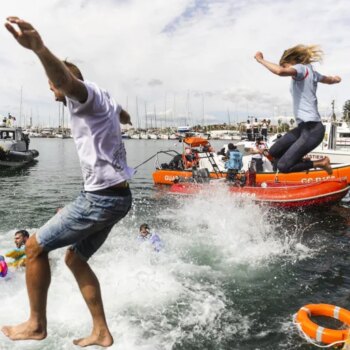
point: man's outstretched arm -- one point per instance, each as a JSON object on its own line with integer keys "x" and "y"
{"x": 57, "y": 72}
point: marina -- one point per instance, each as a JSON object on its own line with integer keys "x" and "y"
{"x": 174, "y": 175}
{"x": 213, "y": 283}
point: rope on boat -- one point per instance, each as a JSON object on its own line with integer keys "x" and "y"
{"x": 156, "y": 154}
{"x": 311, "y": 341}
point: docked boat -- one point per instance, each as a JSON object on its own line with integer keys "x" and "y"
{"x": 14, "y": 152}
{"x": 276, "y": 194}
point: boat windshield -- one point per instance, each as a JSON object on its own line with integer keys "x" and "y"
{"x": 7, "y": 135}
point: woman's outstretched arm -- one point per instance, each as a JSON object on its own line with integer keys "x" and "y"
{"x": 331, "y": 79}
{"x": 275, "y": 68}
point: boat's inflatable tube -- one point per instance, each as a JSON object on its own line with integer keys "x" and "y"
{"x": 318, "y": 333}
{"x": 22, "y": 156}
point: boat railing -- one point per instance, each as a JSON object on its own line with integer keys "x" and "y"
{"x": 171, "y": 153}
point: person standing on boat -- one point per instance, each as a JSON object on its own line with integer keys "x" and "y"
{"x": 264, "y": 129}
{"x": 256, "y": 128}
{"x": 234, "y": 162}
{"x": 84, "y": 224}
{"x": 249, "y": 130}
{"x": 289, "y": 151}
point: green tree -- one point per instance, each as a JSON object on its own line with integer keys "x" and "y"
{"x": 279, "y": 121}
{"x": 346, "y": 110}
{"x": 285, "y": 127}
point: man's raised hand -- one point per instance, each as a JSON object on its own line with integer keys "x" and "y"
{"x": 26, "y": 36}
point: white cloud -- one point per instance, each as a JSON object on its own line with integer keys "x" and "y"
{"x": 169, "y": 54}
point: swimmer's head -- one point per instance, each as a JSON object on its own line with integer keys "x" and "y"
{"x": 144, "y": 230}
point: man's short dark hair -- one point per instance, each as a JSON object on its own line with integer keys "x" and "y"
{"x": 144, "y": 226}
{"x": 73, "y": 69}
{"x": 24, "y": 233}
{"x": 231, "y": 146}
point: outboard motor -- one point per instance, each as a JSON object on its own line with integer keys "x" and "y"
{"x": 34, "y": 153}
{"x": 251, "y": 174}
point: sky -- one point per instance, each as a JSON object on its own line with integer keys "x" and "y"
{"x": 175, "y": 62}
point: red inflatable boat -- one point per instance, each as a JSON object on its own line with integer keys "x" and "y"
{"x": 278, "y": 194}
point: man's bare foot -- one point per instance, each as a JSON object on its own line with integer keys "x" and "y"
{"x": 102, "y": 339}
{"x": 24, "y": 331}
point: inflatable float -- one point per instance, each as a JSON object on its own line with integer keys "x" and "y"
{"x": 3, "y": 267}
{"x": 314, "y": 332}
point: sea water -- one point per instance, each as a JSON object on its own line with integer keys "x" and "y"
{"x": 230, "y": 276}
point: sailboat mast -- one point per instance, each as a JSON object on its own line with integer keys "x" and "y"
{"x": 63, "y": 132}
{"x": 137, "y": 113}
{"x": 155, "y": 117}
{"x": 20, "y": 107}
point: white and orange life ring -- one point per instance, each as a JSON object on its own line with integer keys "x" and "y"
{"x": 318, "y": 333}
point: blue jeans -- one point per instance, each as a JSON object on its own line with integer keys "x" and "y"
{"x": 85, "y": 223}
{"x": 290, "y": 149}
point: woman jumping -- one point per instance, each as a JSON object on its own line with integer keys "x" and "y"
{"x": 290, "y": 149}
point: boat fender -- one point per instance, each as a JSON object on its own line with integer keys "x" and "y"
{"x": 318, "y": 333}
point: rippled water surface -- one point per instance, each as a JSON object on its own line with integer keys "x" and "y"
{"x": 231, "y": 275}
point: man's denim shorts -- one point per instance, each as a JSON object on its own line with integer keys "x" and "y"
{"x": 85, "y": 223}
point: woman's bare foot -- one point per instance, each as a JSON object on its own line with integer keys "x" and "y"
{"x": 102, "y": 339}
{"x": 325, "y": 164}
{"x": 25, "y": 331}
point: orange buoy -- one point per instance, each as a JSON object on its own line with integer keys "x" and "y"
{"x": 318, "y": 333}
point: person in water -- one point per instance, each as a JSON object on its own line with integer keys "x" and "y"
{"x": 18, "y": 255}
{"x": 146, "y": 235}
{"x": 294, "y": 145}
{"x": 21, "y": 238}
{"x": 84, "y": 224}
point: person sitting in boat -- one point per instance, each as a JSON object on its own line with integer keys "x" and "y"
{"x": 18, "y": 255}
{"x": 175, "y": 164}
{"x": 289, "y": 150}
{"x": 190, "y": 158}
{"x": 222, "y": 152}
{"x": 151, "y": 237}
{"x": 258, "y": 151}
{"x": 234, "y": 162}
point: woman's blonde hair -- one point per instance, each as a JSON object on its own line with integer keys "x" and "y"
{"x": 302, "y": 54}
